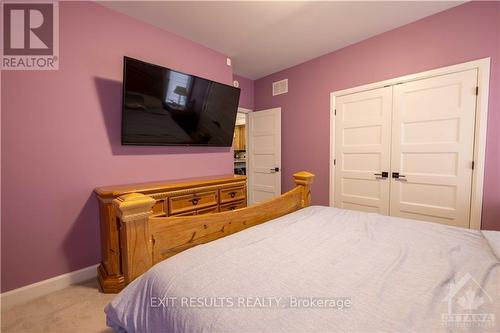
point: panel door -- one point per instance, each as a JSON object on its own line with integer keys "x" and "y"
{"x": 264, "y": 155}
{"x": 363, "y": 143}
{"x": 432, "y": 148}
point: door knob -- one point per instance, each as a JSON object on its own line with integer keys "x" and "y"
{"x": 382, "y": 175}
{"x": 396, "y": 175}
{"x": 277, "y": 169}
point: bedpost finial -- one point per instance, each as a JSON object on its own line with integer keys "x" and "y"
{"x": 133, "y": 206}
{"x": 303, "y": 178}
{"x": 134, "y": 210}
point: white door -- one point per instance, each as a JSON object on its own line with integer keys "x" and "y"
{"x": 363, "y": 148}
{"x": 432, "y": 148}
{"x": 264, "y": 155}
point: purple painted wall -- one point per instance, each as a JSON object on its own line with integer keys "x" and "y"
{"x": 247, "y": 92}
{"x": 61, "y": 138}
{"x": 467, "y": 32}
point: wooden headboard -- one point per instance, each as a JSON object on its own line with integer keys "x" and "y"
{"x": 147, "y": 240}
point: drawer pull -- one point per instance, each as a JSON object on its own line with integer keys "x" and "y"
{"x": 194, "y": 201}
{"x": 232, "y": 194}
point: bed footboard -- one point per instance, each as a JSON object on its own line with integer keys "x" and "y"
{"x": 146, "y": 240}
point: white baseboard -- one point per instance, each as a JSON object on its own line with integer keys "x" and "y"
{"x": 42, "y": 288}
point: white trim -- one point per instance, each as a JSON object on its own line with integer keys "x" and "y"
{"x": 332, "y": 151}
{"x": 480, "y": 64}
{"x": 483, "y": 81}
{"x": 247, "y": 152}
{"x": 243, "y": 110}
{"x": 42, "y": 288}
{"x": 246, "y": 112}
{"x": 248, "y": 155}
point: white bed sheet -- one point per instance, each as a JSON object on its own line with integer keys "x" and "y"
{"x": 396, "y": 273}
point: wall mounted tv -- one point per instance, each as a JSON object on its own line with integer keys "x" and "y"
{"x": 166, "y": 107}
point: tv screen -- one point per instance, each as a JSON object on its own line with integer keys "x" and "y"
{"x": 166, "y": 107}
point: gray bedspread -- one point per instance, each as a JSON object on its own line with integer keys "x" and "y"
{"x": 322, "y": 269}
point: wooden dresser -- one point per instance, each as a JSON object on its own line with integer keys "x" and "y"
{"x": 173, "y": 198}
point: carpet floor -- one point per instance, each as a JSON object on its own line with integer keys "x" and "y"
{"x": 78, "y": 308}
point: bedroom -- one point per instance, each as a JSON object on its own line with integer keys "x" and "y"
{"x": 61, "y": 139}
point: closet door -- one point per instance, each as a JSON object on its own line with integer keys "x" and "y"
{"x": 363, "y": 143}
{"x": 432, "y": 148}
{"x": 264, "y": 155}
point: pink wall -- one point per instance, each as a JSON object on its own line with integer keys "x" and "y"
{"x": 247, "y": 91}
{"x": 61, "y": 138}
{"x": 467, "y": 32}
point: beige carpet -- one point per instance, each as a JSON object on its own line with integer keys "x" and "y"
{"x": 76, "y": 309}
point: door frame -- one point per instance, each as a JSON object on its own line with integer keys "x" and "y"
{"x": 481, "y": 118}
{"x": 246, "y": 112}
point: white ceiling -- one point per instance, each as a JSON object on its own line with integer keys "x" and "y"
{"x": 263, "y": 37}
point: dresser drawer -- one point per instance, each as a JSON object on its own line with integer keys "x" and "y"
{"x": 158, "y": 208}
{"x": 195, "y": 201}
{"x": 209, "y": 210}
{"x": 190, "y": 213}
{"x": 232, "y": 194}
{"x": 233, "y": 206}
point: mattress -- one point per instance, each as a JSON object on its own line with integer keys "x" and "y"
{"x": 322, "y": 269}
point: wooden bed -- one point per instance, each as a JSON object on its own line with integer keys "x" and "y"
{"x": 146, "y": 240}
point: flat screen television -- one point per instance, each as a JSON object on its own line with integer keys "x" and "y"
{"x": 162, "y": 106}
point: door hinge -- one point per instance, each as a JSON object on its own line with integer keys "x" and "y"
{"x": 334, "y": 161}
{"x": 477, "y": 90}
{"x": 335, "y": 112}
{"x": 472, "y": 165}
